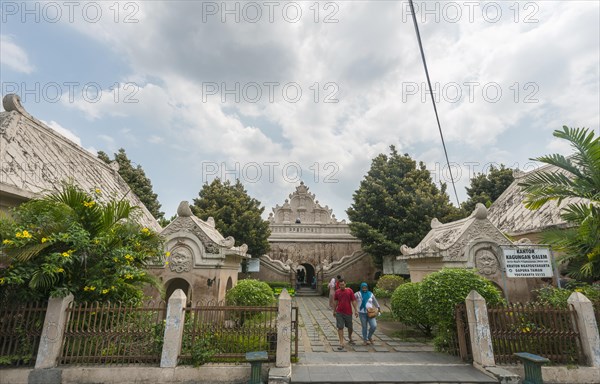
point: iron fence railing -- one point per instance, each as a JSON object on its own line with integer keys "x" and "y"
{"x": 541, "y": 330}
{"x": 216, "y": 332}
{"x": 113, "y": 333}
{"x": 20, "y": 332}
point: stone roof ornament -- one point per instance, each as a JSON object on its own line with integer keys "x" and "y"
{"x": 12, "y": 102}
{"x": 211, "y": 221}
{"x": 480, "y": 212}
{"x": 184, "y": 209}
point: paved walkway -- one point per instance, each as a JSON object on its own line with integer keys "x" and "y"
{"x": 389, "y": 360}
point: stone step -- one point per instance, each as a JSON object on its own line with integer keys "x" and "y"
{"x": 340, "y": 373}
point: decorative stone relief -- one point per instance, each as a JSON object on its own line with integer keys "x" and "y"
{"x": 486, "y": 262}
{"x": 181, "y": 259}
{"x": 186, "y": 224}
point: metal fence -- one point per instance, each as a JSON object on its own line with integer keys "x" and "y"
{"x": 545, "y": 331}
{"x": 463, "y": 338}
{"x": 220, "y": 333}
{"x": 20, "y": 332}
{"x": 113, "y": 333}
{"x": 216, "y": 332}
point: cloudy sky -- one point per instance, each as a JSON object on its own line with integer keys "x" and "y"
{"x": 274, "y": 92}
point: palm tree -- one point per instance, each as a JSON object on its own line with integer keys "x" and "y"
{"x": 577, "y": 179}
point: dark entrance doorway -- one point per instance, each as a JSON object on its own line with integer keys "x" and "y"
{"x": 178, "y": 283}
{"x": 310, "y": 274}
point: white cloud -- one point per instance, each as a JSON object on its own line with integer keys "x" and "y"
{"x": 546, "y": 70}
{"x": 13, "y": 56}
{"x": 67, "y": 133}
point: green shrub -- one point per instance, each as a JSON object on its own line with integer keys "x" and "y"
{"x": 407, "y": 308}
{"x": 277, "y": 291}
{"x": 442, "y": 290}
{"x": 202, "y": 350}
{"x": 557, "y": 297}
{"x": 278, "y": 284}
{"x": 386, "y": 285}
{"x": 250, "y": 292}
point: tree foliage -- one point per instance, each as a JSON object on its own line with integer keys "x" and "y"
{"x": 578, "y": 177}
{"x": 395, "y": 204}
{"x": 485, "y": 188}
{"x": 235, "y": 213}
{"x": 70, "y": 242}
{"x": 137, "y": 180}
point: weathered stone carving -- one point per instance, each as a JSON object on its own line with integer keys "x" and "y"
{"x": 486, "y": 262}
{"x": 181, "y": 259}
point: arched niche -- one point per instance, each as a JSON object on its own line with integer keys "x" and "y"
{"x": 179, "y": 283}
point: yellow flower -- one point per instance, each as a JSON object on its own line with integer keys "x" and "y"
{"x": 168, "y": 254}
{"x": 44, "y": 239}
{"x": 145, "y": 231}
{"x": 578, "y": 290}
{"x": 7, "y": 241}
{"x": 128, "y": 257}
{"x": 98, "y": 191}
{"x": 166, "y": 263}
{"x": 26, "y": 235}
{"x": 86, "y": 288}
{"x": 59, "y": 270}
{"x": 18, "y": 235}
{"x": 89, "y": 204}
{"x": 129, "y": 276}
{"x": 92, "y": 288}
{"x": 105, "y": 291}
{"x": 65, "y": 254}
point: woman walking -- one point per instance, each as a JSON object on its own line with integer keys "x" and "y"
{"x": 367, "y": 306}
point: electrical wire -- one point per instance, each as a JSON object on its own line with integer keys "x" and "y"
{"x": 414, "y": 17}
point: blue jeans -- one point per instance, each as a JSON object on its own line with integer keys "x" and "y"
{"x": 371, "y": 322}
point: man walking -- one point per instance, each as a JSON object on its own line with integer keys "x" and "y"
{"x": 344, "y": 302}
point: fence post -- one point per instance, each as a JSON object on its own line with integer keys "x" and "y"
{"x": 173, "y": 330}
{"x": 53, "y": 332}
{"x": 479, "y": 330}
{"x": 588, "y": 328}
{"x": 284, "y": 330}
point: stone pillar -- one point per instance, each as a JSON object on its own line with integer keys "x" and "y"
{"x": 588, "y": 328}
{"x": 173, "y": 330}
{"x": 479, "y": 330}
{"x": 284, "y": 330}
{"x": 53, "y": 331}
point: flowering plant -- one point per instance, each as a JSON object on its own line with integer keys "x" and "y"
{"x": 70, "y": 242}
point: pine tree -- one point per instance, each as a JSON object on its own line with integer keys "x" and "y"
{"x": 395, "y": 204}
{"x": 137, "y": 181}
{"x": 235, "y": 213}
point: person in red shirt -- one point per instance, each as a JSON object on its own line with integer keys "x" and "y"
{"x": 344, "y": 302}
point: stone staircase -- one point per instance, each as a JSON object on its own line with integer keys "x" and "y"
{"x": 305, "y": 291}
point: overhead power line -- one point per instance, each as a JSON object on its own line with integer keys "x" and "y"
{"x": 414, "y": 17}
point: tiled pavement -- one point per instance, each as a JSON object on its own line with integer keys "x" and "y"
{"x": 389, "y": 360}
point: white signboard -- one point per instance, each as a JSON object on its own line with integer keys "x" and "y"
{"x": 527, "y": 261}
{"x": 254, "y": 265}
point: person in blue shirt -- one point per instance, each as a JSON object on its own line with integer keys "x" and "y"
{"x": 366, "y": 300}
